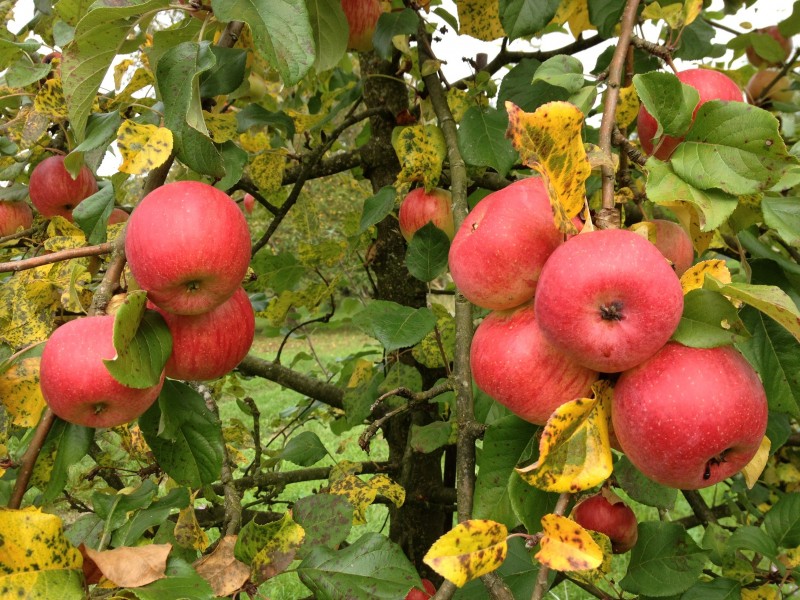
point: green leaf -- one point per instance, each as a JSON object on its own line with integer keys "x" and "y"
{"x": 181, "y": 581}
{"x": 226, "y": 75}
{"x": 518, "y": 572}
{"x": 605, "y": 15}
{"x": 395, "y": 326}
{"x": 430, "y": 437}
{"x": 400, "y": 375}
{"x": 529, "y": 503}
{"x": 377, "y": 207}
{"x": 114, "y": 508}
{"x": 234, "y": 160}
{"x": 9, "y": 50}
{"x": 177, "y": 74}
{"x": 150, "y": 518}
{"x": 64, "y": 584}
{"x": 142, "y": 341}
{"x": 278, "y": 272}
{"x": 666, "y": 187}
{"x": 185, "y": 437}
{"x": 749, "y": 537}
{"x": 782, "y": 522}
{"x": 733, "y": 147}
{"x": 326, "y": 519}
{"x": 523, "y": 18}
{"x": 562, "y": 71}
{"x": 709, "y": 320}
{"x": 697, "y": 42}
{"x": 73, "y": 443}
{"x": 92, "y": 214}
{"x": 664, "y": 561}
{"x": 642, "y": 489}
{"x": 775, "y": 354}
{"x": 715, "y": 541}
{"x": 482, "y": 139}
{"x": 101, "y": 128}
{"x": 716, "y": 589}
{"x": 426, "y": 257}
{"x": 767, "y": 47}
{"x": 670, "y": 102}
{"x": 281, "y": 32}
{"x": 99, "y": 37}
{"x": 254, "y": 115}
{"x": 329, "y": 26}
{"x": 372, "y": 568}
{"x": 23, "y": 73}
{"x": 783, "y": 215}
{"x": 390, "y": 24}
{"x": 304, "y": 449}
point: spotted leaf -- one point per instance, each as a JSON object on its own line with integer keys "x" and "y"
{"x": 221, "y": 126}
{"x": 188, "y": 533}
{"x": 627, "y": 106}
{"x": 480, "y": 19}
{"x": 471, "y": 549}
{"x": 566, "y": 546}
{"x": 20, "y": 392}
{"x": 270, "y": 548}
{"x": 50, "y": 100}
{"x": 31, "y": 540}
{"x": 358, "y": 493}
{"x": 694, "y": 277}
{"x": 267, "y": 168}
{"x": 421, "y": 150}
{"x": 143, "y": 147}
{"x": 388, "y": 489}
{"x": 597, "y": 574}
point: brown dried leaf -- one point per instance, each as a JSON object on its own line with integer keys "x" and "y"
{"x": 132, "y": 567}
{"x": 221, "y": 570}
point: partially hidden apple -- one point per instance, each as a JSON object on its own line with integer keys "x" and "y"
{"x": 362, "y": 18}
{"x": 422, "y": 594}
{"x": 774, "y": 32}
{"x": 711, "y": 85}
{"x": 14, "y": 215}
{"x": 675, "y": 244}
{"x": 211, "y": 344}
{"x": 760, "y": 88}
{"x": 608, "y": 299}
{"x": 117, "y": 216}
{"x": 607, "y": 513}
{"x": 54, "y": 192}
{"x": 503, "y": 243}
{"x": 690, "y": 417}
{"x": 512, "y": 362}
{"x": 188, "y": 246}
{"x": 420, "y": 208}
{"x": 76, "y": 383}
{"x": 248, "y": 203}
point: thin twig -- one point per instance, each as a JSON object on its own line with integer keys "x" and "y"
{"x": 540, "y": 589}
{"x": 54, "y": 257}
{"x": 20, "y": 234}
{"x": 28, "y": 461}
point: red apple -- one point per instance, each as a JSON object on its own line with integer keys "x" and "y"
{"x": 418, "y": 594}
{"x": 499, "y": 250}
{"x": 362, "y": 18}
{"x": 690, "y": 417}
{"x": 188, "y": 245}
{"x": 420, "y": 208}
{"x": 75, "y": 382}
{"x": 53, "y": 191}
{"x": 514, "y": 364}
{"x": 786, "y": 44}
{"x": 712, "y": 85}
{"x": 607, "y": 513}
{"x": 780, "y": 91}
{"x": 117, "y": 216}
{"x": 14, "y": 215}
{"x": 675, "y": 244}
{"x": 248, "y": 203}
{"x": 211, "y": 344}
{"x": 608, "y": 299}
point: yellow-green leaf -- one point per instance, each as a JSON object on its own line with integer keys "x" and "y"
{"x": 765, "y": 592}
{"x": 421, "y": 150}
{"x": 342, "y": 469}
{"x": 188, "y": 532}
{"x": 267, "y": 168}
{"x": 597, "y": 574}
{"x": 221, "y": 126}
{"x": 50, "y": 100}
{"x": 549, "y": 141}
{"x": 388, "y": 489}
{"x": 358, "y": 493}
{"x": 143, "y": 147}
{"x": 269, "y": 548}
{"x": 480, "y": 19}
{"x": 471, "y": 549}
{"x": 752, "y": 470}
{"x": 141, "y": 79}
{"x": 627, "y": 106}
{"x": 31, "y": 540}
{"x": 576, "y": 14}
{"x": 574, "y": 451}
{"x": 27, "y": 309}
{"x": 695, "y": 276}
{"x": 566, "y": 546}
{"x": 20, "y": 392}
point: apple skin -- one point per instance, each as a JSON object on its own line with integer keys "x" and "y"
{"x": 209, "y": 345}
{"x": 780, "y": 92}
{"x": 418, "y": 594}
{"x": 14, "y": 215}
{"x": 712, "y": 85}
{"x": 117, "y": 216}
{"x": 419, "y": 208}
{"x": 54, "y": 192}
{"x": 608, "y": 299}
{"x": 611, "y": 517}
{"x": 756, "y": 60}
{"x": 513, "y": 363}
{"x": 75, "y": 382}
{"x": 362, "y": 18}
{"x": 675, "y": 244}
{"x": 690, "y": 417}
{"x": 501, "y": 246}
{"x": 188, "y": 245}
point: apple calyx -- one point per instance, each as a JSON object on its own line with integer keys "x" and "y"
{"x": 612, "y": 311}
{"x": 714, "y": 461}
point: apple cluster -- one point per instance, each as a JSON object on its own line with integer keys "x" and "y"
{"x": 188, "y": 246}
{"x": 565, "y": 312}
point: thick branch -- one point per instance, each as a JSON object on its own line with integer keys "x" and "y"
{"x": 28, "y": 460}
{"x": 54, "y": 257}
{"x": 699, "y": 506}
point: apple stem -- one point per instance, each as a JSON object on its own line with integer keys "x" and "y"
{"x": 699, "y": 506}
{"x": 28, "y": 460}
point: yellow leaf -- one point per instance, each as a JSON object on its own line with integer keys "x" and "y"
{"x": 480, "y": 19}
{"x": 566, "y": 546}
{"x": 791, "y": 558}
{"x": 627, "y": 106}
{"x": 342, "y": 469}
{"x": 254, "y": 141}
{"x": 752, "y": 470}
{"x": 141, "y": 79}
{"x": 267, "y": 168}
{"x": 31, "y": 540}
{"x": 27, "y": 309}
{"x": 50, "y": 100}
{"x": 574, "y": 451}
{"x": 694, "y": 277}
{"x": 143, "y": 147}
{"x": 597, "y": 574}
{"x": 221, "y": 126}
{"x": 358, "y": 493}
{"x": 362, "y": 373}
{"x": 20, "y": 392}
{"x": 471, "y": 549}
{"x": 188, "y": 533}
{"x": 691, "y": 10}
{"x": 549, "y": 141}
{"x": 764, "y": 592}
{"x": 690, "y": 221}
{"x": 459, "y": 102}
{"x": 279, "y": 550}
{"x": 421, "y": 150}
{"x": 672, "y": 14}
{"x": 388, "y": 489}
{"x": 119, "y": 71}
{"x": 303, "y": 122}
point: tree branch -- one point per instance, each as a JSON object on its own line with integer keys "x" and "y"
{"x": 28, "y": 461}
{"x": 54, "y": 257}
{"x": 540, "y": 589}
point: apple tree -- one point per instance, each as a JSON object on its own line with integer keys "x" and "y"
{"x": 578, "y": 264}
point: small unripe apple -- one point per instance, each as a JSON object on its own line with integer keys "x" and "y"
{"x": 420, "y": 208}
{"x": 711, "y": 85}
{"x": 117, "y": 216}
{"x": 690, "y": 417}
{"x": 418, "y": 594}
{"x": 248, "y": 203}
{"x": 774, "y": 32}
{"x": 607, "y": 513}
{"x": 362, "y": 18}
{"x": 75, "y": 382}
{"x": 53, "y": 191}
{"x": 675, "y": 244}
{"x": 14, "y": 215}
{"x": 779, "y": 92}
